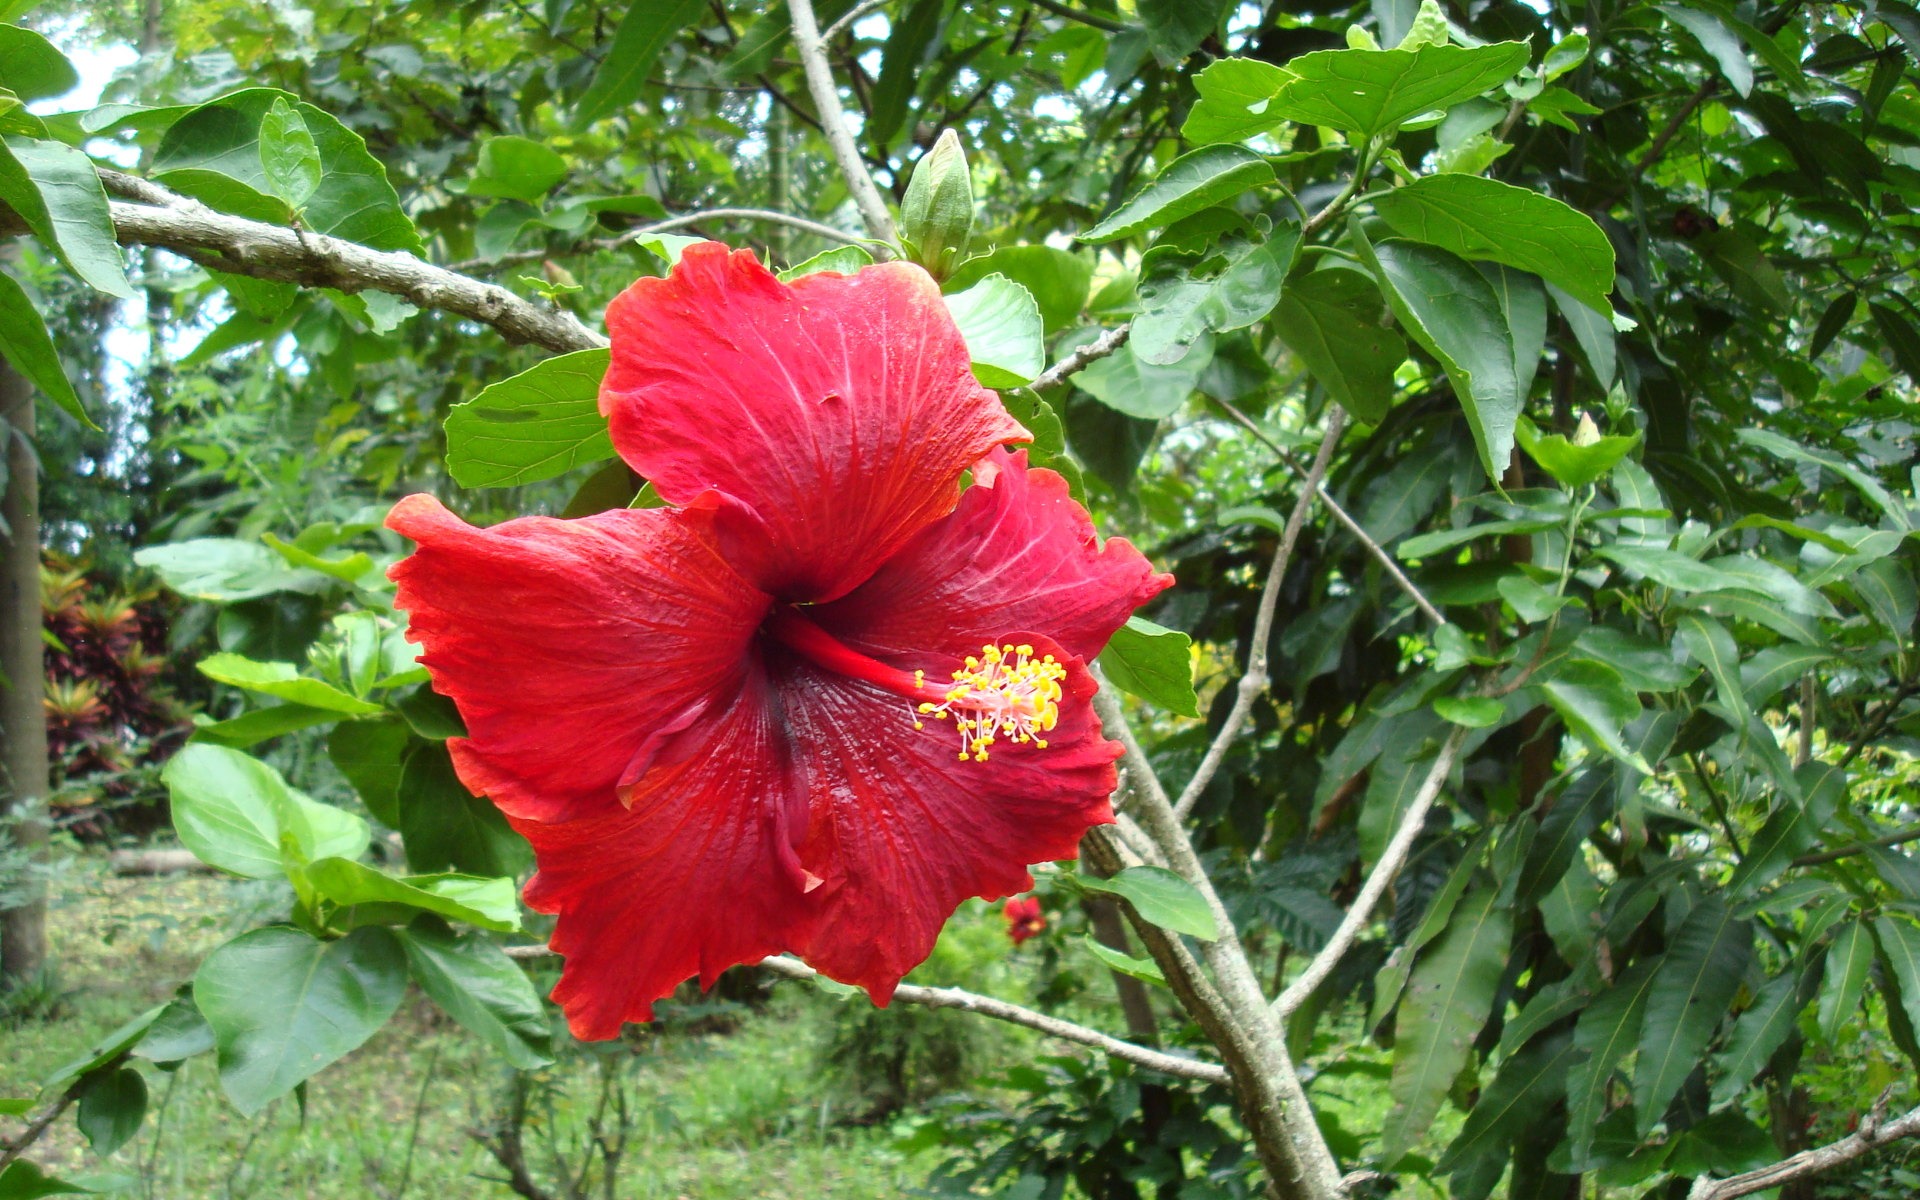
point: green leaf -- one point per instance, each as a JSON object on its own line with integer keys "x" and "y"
{"x": 28, "y": 347}
{"x": 236, "y": 813}
{"x": 252, "y": 728}
{"x": 1236, "y": 101}
{"x": 1175, "y": 28}
{"x": 1710, "y": 645}
{"x": 1595, "y": 702}
{"x": 480, "y": 987}
{"x": 1367, "y": 92}
{"x": 515, "y": 168}
{"x": 488, "y": 903}
{"x": 540, "y": 423}
{"x": 111, "y": 1109}
{"x": 1753, "y": 278}
{"x": 1337, "y": 322}
{"x": 1718, "y": 41}
{"x": 1573, "y": 465}
{"x": 1449, "y": 997}
{"x": 624, "y": 65}
{"x": 284, "y": 1005}
{"x": 179, "y": 1033}
{"x": 1793, "y": 828}
{"x": 1530, "y": 1082}
{"x": 284, "y": 681}
{"x": 1474, "y": 712}
{"x": 845, "y": 260}
{"x": 1693, "y": 988}
{"x": 1160, "y": 897}
{"x": 104, "y": 1051}
{"x": 1143, "y": 969}
{"x": 1786, "y": 448}
{"x": 447, "y": 828}
{"x": 1153, "y": 663}
{"x": 1901, "y": 338}
{"x": 225, "y": 570}
{"x": 1057, "y": 278}
{"x": 1886, "y": 591}
{"x": 289, "y": 159}
{"x": 1671, "y": 569}
{"x": 1899, "y": 941}
{"x": 368, "y": 753}
{"x": 214, "y": 154}
{"x": 1185, "y": 294}
{"x": 1848, "y": 960}
{"x": 1478, "y": 218}
{"x": 1142, "y": 390}
{"x": 1001, "y": 325}
{"x": 1391, "y": 980}
{"x": 56, "y": 190}
{"x": 1451, "y": 310}
{"x": 1607, "y": 1030}
{"x": 1195, "y": 181}
{"x": 23, "y": 1180}
{"x": 1757, "y": 1033}
{"x": 31, "y": 68}
{"x": 1767, "y": 673}
{"x": 903, "y": 63}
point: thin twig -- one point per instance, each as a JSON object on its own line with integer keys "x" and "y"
{"x": 1412, "y": 822}
{"x": 1901, "y": 838}
{"x": 1099, "y": 348}
{"x": 1345, "y": 518}
{"x": 1872, "y": 731}
{"x": 845, "y": 23}
{"x": 36, "y": 1129}
{"x": 601, "y": 245}
{"x": 1253, "y": 684}
{"x": 1002, "y": 1010}
{"x": 1873, "y": 1133}
{"x": 833, "y": 121}
{"x": 1672, "y": 128}
{"x": 1093, "y": 20}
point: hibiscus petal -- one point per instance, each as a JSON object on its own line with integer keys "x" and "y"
{"x": 689, "y": 881}
{"x": 1018, "y": 553}
{"x": 571, "y": 648}
{"x": 902, "y": 830}
{"x": 839, "y": 411}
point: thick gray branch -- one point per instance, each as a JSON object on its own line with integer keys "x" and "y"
{"x": 833, "y": 122}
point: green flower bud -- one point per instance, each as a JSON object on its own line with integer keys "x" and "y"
{"x": 937, "y": 214}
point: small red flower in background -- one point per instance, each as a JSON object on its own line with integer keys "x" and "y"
{"x": 822, "y": 698}
{"x": 1024, "y": 918}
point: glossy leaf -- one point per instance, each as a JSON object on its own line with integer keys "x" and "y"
{"x": 28, "y": 348}
{"x": 1530, "y": 1081}
{"x": 283, "y": 1005}
{"x": 1367, "y": 92}
{"x": 480, "y": 987}
{"x": 1757, "y": 1033}
{"x": 111, "y": 1109}
{"x": 1337, "y": 322}
{"x": 1185, "y": 294}
{"x": 515, "y": 168}
{"x": 1845, "y": 981}
{"x": 1201, "y": 179}
{"x": 288, "y": 156}
{"x": 1596, "y": 703}
{"x": 1002, "y": 327}
{"x": 643, "y": 32}
{"x": 31, "y": 68}
{"x": 447, "y": 828}
{"x": 1608, "y": 1030}
{"x": 56, "y": 190}
{"x": 1693, "y": 988}
{"x": 368, "y": 753}
{"x": 1143, "y": 969}
{"x": 1160, "y": 897}
{"x": 540, "y": 423}
{"x": 1236, "y": 101}
{"x": 1899, "y": 941}
{"x": 236, "y": 813}
{"x": 1153, "y": 663}
{"x": 487, "y": 903}
{"x": 283, "y": 681}
{"x": 1478, "y": 218}
{"x": 1058, "y": 279}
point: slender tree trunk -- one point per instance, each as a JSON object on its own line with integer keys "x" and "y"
{"x": 23, "y": 720}
{"x": 779, "y": 181}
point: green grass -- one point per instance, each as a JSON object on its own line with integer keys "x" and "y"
{"x": 713, "y": 1116}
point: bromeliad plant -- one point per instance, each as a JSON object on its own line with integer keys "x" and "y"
{"x": 1552, "y": 765}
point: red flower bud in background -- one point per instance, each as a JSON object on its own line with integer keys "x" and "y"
{"x": 823, "y": 696}
{"x": 1024, "y": 918}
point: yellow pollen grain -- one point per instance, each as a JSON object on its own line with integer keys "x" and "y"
{"x": 1005, "y": 694}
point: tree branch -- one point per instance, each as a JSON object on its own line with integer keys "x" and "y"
{"x": 598, "y": 245}
{"x": 1874, "y": 1132}
{"x": 1253, "y": 684}
{"x": 1098, "y": 348}
{"x": 242, "y": 247}
{"x": 1901, "y": 837}
{"x": 1673, "y": 126}
{"x": 1341, "y": 515}
{"x": 1391, "y": 860}
{"x": 854, "y": 14}
{"x": 833, "y": 122}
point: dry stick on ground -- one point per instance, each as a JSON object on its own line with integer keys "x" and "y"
{"x": 833, "y": 121}
{"x": 1874, "y": 1132}
{"x": 1345, "y": 518}
{"x": 1253, "y": 684}
{"x": 1003, "y": 1010}
{"x": 1360, "y": 912}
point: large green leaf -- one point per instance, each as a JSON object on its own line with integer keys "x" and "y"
{"x": 515, "y": 168}
{"x": 1693, "y": 988}
{"x": 22, "y": 1180}
{"x": 1153, "y": 663}
{"x": 1139, "y": 389}
{"x": 1337, "y": 322}
{"x": 1236, "y": 101}
{"x": 480, "y": 987}
{"x": 1161, "y": 897}
{"x": 1596, "y": 703}
{"x": 646, "y": 29}
{"x": 1607, "y": 1031}
{"x": 283, "y": 1005}
{"x": 28, "y": 348}
{"x": 1449, "y": 997}
{"x": 57, "y": 191}
{"x": 1479, "y": 218}
{"x": 1002, "y": 328}
{"x": 1757, "y": 1033}
{"x": 1848, "y": 960}
{"x": 447, "y": 828}
{"x": 1202, "y": 179}
{"x": 1184, "y": 294}
{"x": 111, "y": 1109}
{"x": 31, "y": 68}
{"x": 903, "y": 63}
{"x": 542, "y": 422}
{"x": 283, "y": 681}
{"x": 1366, "y": 92}
{"x": 226, "y": 570}
{"x": 1530, "y": 1082}
{"x": 1710, "y": 645}
{"x": 1899, "y": 941}
{"x": 369, "y": 753}
{"x": 1057, "y": 278}
{"x": 1451, "y": 310}
{"x": 1793, "y": 828}
{"x": 236, "y": 813}
{"x": 214, "y": 153}
{"x": 488, "y": 903}
{"x": 289, "y": 157}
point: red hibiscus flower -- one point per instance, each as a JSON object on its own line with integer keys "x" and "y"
{"x": 823, "y": 697}
{"x": 1024, "y": 918}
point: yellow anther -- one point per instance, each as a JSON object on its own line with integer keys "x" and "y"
{"x": 1005, "y": 693}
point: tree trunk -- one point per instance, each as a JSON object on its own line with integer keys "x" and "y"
{"x": 23, "y": 720}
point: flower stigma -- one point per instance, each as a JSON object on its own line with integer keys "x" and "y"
{"x": 1006, "y": 692}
